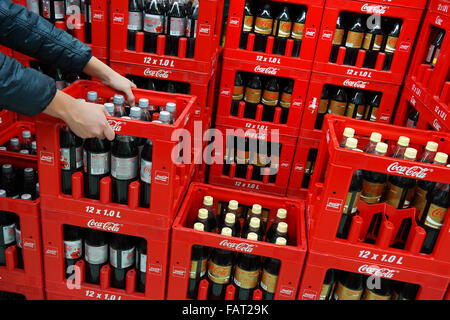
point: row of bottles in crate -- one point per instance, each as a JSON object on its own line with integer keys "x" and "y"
{"x": 25, "y": 144}
{"x": 429, "y": 198}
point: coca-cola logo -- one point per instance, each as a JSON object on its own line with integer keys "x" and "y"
{"x": 118, "y": 18}
{"x": 240, "y": 247}
{"x": 155, "y": 269}
{"x": 413, "y": 100}
{"x": 204, "y": 29}
{"x": 179, "y": 272}
{"x": 285, "y": 164}
{"x": 377, "y": 271}
{"x": 162, "y": 177}
{"x": 436, "y": 125}
{"x": 116, "y": 125}
{"x": 309, "y": 295}
{"x": 310, "y": 33}
{"x": 46, "y": 158}
{"x": 226, "y": 92}
{"x": 374, "y": 9}
{"x": 234, "y": 22}
{"x": 439, "y": 20}
{"x": 51, "y": 251}
{"x": 413, "y": 172}
{"x": 297, "y": 103}
{"x": 405, "y": 46}
{"x": 442, "y": 8}
{"x": 255, "y": 135}
{"x": 334, "y": 204}
{"x": 385, "y": 117}
{"x": 163, "y": 74}
{"x": 97, "y": 15}
{"x": 299, "y": 168}
{"x": 266, "y": 70}
{"x": 287, "y": 291}
{"x": 327, "y": 35}
{"x": 355, "y": 84}
{"x": 28, "y": 243}
{"x": 106, "y": 226}
{"x": 439, "y": 213}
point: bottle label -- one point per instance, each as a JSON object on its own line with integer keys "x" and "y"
{"x": 96, "y": 163}
{"x": 284, "y": 29}
{"x": 298, "y": 30}
{"x": 189, "y": 31}
{"x": 135, "y": 21}
{"x": 124, "y": 168}
{"x": 343, "y": 293}
{"x": 238, "y": 93}
{"x": 72, "y": 249}
{"x": 46, "y": 9}
{"x": 263, "y": 26}
{"x": 326, "y": 288}
{"x": 354, "y": 39}
{"x": 246, "y": 279}
{"x": 59, "y": 9}
{"x": 371, "y": 192}
{"x": 253, "y": 95}
{"x": 394, "y": 194}
{"x": 177, "y": 26}
{"x": 146, "y": 171}
{"x": 121, "y": 259}
{"x": 153, "y": 23}
{"x": 370, "y": 295}
{"x": 391, "y": 44}
{"x": 9, "y": 234}
{"x": 350, "y": 110}
{"x": 96, "y": 255}
{"x": 435, "y": 216}
{"x": 194, "y": 265}
{"x": 33, "y": 6}
{"x": 262, "y": 160}
{"x": 269, "y": 281}
{"x": 351, "y": 203}
{"x": 141, "y": 262}
{"x": 285, "y": 101}
{"x": 242, "y": 157}
{"x": 420, "y": 201}
{"x": 270, "y": 98}
{"x": 373, "y": 113}
{"x": 18, "y": 237}
{"x": 323, "y": 106}
{"x": 248, "y": 24}
{"x": 436, "y": 56}
{"x": 337, "y": 107}
{"x": 338, "y": 37}
{"x": 219, "y": 274}
{"x": 378, "y": 42}
{"x": 66, "y": 160}
{"x": 367, "y": 40}
{"x": 430, "y": 54}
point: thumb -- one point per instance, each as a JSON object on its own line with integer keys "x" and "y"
{"x": 130, "y": 96}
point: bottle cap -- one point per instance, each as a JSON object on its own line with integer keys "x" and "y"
{"x": 432, "y": 146}
{"x": 375, "y": 137}
{"x": 171, "y": 107}
{"x": 37, "y": 187}
{"x": 281, "y": 241}
{"x": 208, "y": 201}
{"x": 28, "y": 170}
{"x": 410, "y": 154}
{"x": 33, "y": 145}
{"x": 92, "y": 96}
{"x": 441, "y": 158}
{"x": 2, "y": 193}
{"x": 7, "y": 167}
{"x": 351, "y": 143}
{"x": 282, "y": 227}
{"x": 349, "y": 132}
{"x": 26, "y": 196}
{"x": 252, "y": 236}
{"x": 26, "y": 134}
{"x": 109, "y": 107}
{"x": 233, "y": 205}
{"x": 226, "y": 231}
{"x": 118, "y": 99}
{"x": 164, "y": 117}
{"x": 203, "y": 213}
{"x": 255, "y": 222}
{"x": 135, "y": 113}
{"x": 199, "y": 226}
{"x": 143, "y": 103}
{"x": 403, "y": 141}
{"x": 230, "y": 217}
{"x": 256, "y": 209}
{"x": 281, "y": 213}
{"x": 14, "y": 141}
{"x": 381, "y": 147}
{"x": 24, "y": 151}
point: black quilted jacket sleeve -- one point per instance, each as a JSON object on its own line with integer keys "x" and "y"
{"x": 22, "y": 89}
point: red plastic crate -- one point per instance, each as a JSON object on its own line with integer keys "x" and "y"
{"x": 432, "y": 287}
{"x": 279, "y": 187}
{"x": 7, "y": 118}
{"x": 447, "y": 295}
{"x": 53, "y": 242}
{"x": 206, "y": 45}
{"x": 224, "y": 117}
{"x": 6, "y": 51}
{"x": 419, "y": 4}
{"x": 385, "y": 112}
{"x": 411, "y": 18}
{"x": 311, "y": 33}
{"x": 170, "y": 180}
{"x": 184, "y": 237}
{"x": 29, "y": 292}
{"x": 327, "y": 197}
{"x": 29, "y": 213}
{"x": 439, "y": 6}
{"x": 300, "y": 165}
{"x": 13, "y": 131}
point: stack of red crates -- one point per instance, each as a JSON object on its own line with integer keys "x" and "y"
{"x": 427, "y": 85}
{"x": 352, "y": 77}
{"x": 328, "y": 193}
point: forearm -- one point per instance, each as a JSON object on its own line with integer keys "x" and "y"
{"x": 97, "y": 69}
{"x": 60, "y": 106}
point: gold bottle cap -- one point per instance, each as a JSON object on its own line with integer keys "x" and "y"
{"x": 252, "y": 236}
{"x": 281, "y": 241}
{"x": 351, "y": 143}
{"x": 282, "y": 227}
{"x": 230, "y": 217}
{"x": 256, "y": 209}
{"x": 375, "y": 137}
{"x": 441, "y": 158}
{"x": 381, "y": 147}
{"x": 410, "y": 154}
{"x": 255, "y": 222}
{"x": 226, "y": 231}
{"x": 233, "y": 205}
{"x": 199, "y": 226}
{"x": 403, "y": 141}
{"x": 349, "y": 132}
{"x": 432, "y": 146}
{"x": 203, "y": 213}
{"x": 208, "y": 201}
{"x": 281, "y": 213}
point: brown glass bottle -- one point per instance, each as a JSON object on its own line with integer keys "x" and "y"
{"x": 270, "y": 272}
{"x": 199, "y": 259}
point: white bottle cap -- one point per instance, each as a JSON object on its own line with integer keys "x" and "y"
{"x": 252, "y": 236}
{"x": 208, "y": 201}
{"x": 432, "y": 146}
{"x": 118, "y": 99}
{"x": 349, "y": 132}
{"x": 26, "y": 196}
{"x": 281, "y": 241}
{"x": 230, "y": 217}
{"x": 233, "y": 205}
{"x": 109, "y": 107}
{"x": 403, "y": 141}
{"x": 143, "y": 103}
{"x": 199, "y": 226}
{"x": 351, "y": 143}
{"x": 281, "y": 213}
{"x": 24, "y": 151}
{"x": 164, "y": 117}
{"x": 255, "y": 222}
{"x": 375, "y": 137}
{"x": 26, "y": 134}
{"x": 282, "y": 227}
{"x": 203, "y": 213}
{"x": 92, "y": 96}
{"x": 226, "y": 231}
{"x": 171, "y": 107}
{"x": 410, "y": 154}
{"x": 256, "y": 209}
{"x": 135, "y": 113}
{"x": 441, "y": 158}
{"x": 2, "y": 193}
{"x": 381, "y": 147}
{"x": 14, "y": 141}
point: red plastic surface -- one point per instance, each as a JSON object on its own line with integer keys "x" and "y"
{"x": 327, "y": 198}
{"x": 419, "y": 4}
{"x": 432, "y": 287}
{"x": 439, "y": 6}
{"x": 6, "y": 51}
{"x": 170, "y": 180}
{"x": 411, "y": 19}
{"x": 7, "y": 118}
{"x": 184, "y": 237}
{"x": 15, "y": 131}
{"x": 224, "y": 118}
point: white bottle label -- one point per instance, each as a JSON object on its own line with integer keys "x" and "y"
{"x": 33, "y": 6}
{"x": 96, "y": 255}
{"x": 121, "y": 259}
{"x": 59, "y": 9}
{"x": 65, "y": 158}
{"x": 146, "y": 171}
{"x": 46, "y": 10}
{"x": 9, "y": 235}
{"x": 18, "y": 237}
{"x": 72, "y": 249}
{"x": 135, "y": 21}
{"x": 98, "y": 163}
{"x": 124, "y": 168}
{"x": 177, "y": 26}
{"x": 141, "y": 262}
{"x": 153, "y": 23}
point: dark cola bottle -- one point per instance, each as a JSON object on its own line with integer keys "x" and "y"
{"x": 269, "y": 99}
{"x": 29, "y": 183}
{"x": 153, "y": 26}
{"x": 141, "y": 265}
{"x": 253, "y": 226}
{"x": 124, "y": 167}
{"x": 285, "y": 101}
{"x": 9, "y": 181}
{"x": 382, "y": 290}
{"x": 280, "y": 232}
{"x": 87, "y": 13}
{"x": 356, "y": 106}
{"x": 252, "y": 97}
{"x": 402, "y": 144}
{"x": 338, "y": 39}
{"x": 208, "y": 204}
{"x": 97, "y": 154}
{"x": 404, "y": 291}
{"x": 375, "y": 137}
{"x": 338, "y": 102}
{"x": 400, "y": 189}
{"x": 270, "y": 272}
{"x": 372, "y": 108}
{"x": 73, "y": 248}
{"x": 354, "y": 42}
{"x": 232, "y": 223}
{"x": 176, "y": 29}
{"x": 95, "y": 254}
{"x": 263, "y": 28}
{"x": 374, "y": 182}
{"x": 412, "y": 120}
{"x": 14, "y": 145}
{"x": 134, "y": 22}
{"x": 199, "y": 259}
{"x": 435, "y": 48}
{"x": 238, "y": 94}
{"x": 373, "y": 40}
{"x": 18, "y": 235}
{"x": 203, "y": 218}
{"x": 26, "y": 140}
{"x": 246, "y": 272}
{"x": 242, "y": 157}
{"x": 247, "y": 25}
{"x": 298, "y": 30}
{"x": 53, "y": 10}
{"x": 281, "y": 216}
{"x": 146, "y": 173}
{"x": 71, "y": 148}
{"x": 328, "y": 285}
{"x": 323, "y": 108}
{"x": 228, "y": 158}
{"x": 349, "y": 287}
{"x": 121, "y": 258}
{"x": 191, "y": 30}
{"x": 281, "y": 31}
{"x": 391, "y": 45}
{"x": 219, "y": 270}
{"x": 7, "y": 231}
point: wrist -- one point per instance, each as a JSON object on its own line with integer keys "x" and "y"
{"x": 60, "y": 106}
